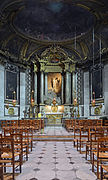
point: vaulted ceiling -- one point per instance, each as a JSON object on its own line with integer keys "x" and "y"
{"x": 28, "y": 27}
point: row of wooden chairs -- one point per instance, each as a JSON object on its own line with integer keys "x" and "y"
{"x": 16, "y": 141}
{"x": 93, "y": 140}
{"x": 71, "y": 124}
{"x": 15, "y": 147}
{"x": 81, "y": 126}
{"x": 36, "y": 124}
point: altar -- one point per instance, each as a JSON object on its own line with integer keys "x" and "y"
{"x": 54, "y": 113}
{"x": 54, "y": 118}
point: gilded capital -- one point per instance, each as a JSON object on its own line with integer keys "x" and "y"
{"x": 42, "y": 67}
{"x": 67, "y": 67}
{"x": 72, "y": 68}
{"x": 35, "y": 68}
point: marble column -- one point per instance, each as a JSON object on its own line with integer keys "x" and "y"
{"x": 62, "y": 89}
{"x": 42, "y": 88}
{"x": 1, "y": 92}
{"x": 22, "y": 93}
{"x": 35, "y": 87}
{"x": 105, "y": 81}
{"x": 86, "y": 94}
{"x": 46, "y": 84}
{"x": 68, "y": 88}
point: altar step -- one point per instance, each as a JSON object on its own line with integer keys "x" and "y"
{"x": 54, "y": 125}
{"x": 52, "y": 138}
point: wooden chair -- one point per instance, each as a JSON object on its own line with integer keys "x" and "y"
{"x": 3, "y": 124}
{"x": 20, "y": 146}
{"x": 80, "y": 130}
{"x": 1, "y": 168}
{"x": 91, "y": 145}
{"x": 27, "y": 137}
{"x": 36, "y": 125}
{"x": 101, "y": 155}
{"x": 9, "y": 157}
{"x": 17, "y": 132}
{"x": 76, "y": 129}
{"x": 104, "y": 172}
{"x": 83, "y": 138}
{"x": 69, "y": 125}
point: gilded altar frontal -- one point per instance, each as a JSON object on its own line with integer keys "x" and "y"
{"x": 54, "y": 82}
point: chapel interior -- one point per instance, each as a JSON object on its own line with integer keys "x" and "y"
{"x": 53, "y": 89}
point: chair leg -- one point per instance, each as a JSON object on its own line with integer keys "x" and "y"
{"x": 77, "y": 144}
{"x": 13, "y": 171}
{"x": 91, "y": 155}
{"x": 74, "y": 143}
{"x": 20, "y": 162}
{"x": 27, "y": 153}
{"x": 80, "y": 146}
{"x": 97, "y": 169}
{"x": 1, "y": 173}
{"x": 93, "y": 163}
{"x": 4, "y": 167}
{"x": 31, "y": 145}
{"x": 101, "y": 173}
{"x": 86, "y": 152}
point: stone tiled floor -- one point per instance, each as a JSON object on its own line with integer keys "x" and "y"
{"x": 56, "y": 161}
{"x": 51, "y": 130}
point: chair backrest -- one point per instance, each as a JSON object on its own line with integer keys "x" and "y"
{"x": 102, "y": 146}
{"x": 7, "y": 145}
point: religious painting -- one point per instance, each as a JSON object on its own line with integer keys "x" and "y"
{"x": 54, "y": 82}
{"x": 97, "y": 83}
{"x": 11, "y": 86}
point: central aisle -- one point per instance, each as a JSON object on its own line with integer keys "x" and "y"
{"x": 56, "y": 161}
{"x": 56, "y": 130}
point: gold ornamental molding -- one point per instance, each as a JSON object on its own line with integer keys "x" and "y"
{"x": 24, "y": 49}
{"x": 54, "y": 54}
{"x": 55, "y": 59}
{"x": 55, "y": 69}
{"x": 35, "y": 68}
{"x": 84, "y": 49}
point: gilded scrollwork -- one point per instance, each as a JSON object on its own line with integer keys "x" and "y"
{"x": 55, "y": 59}
{"x": 71, "y": 59}
{"x": 54, "y": 54}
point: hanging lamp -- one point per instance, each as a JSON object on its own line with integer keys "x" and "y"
{"x": 93, "y": 93}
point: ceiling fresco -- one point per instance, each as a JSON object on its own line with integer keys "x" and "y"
{"x": 53, "y": 21}
{"x": 28, "y": 27}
